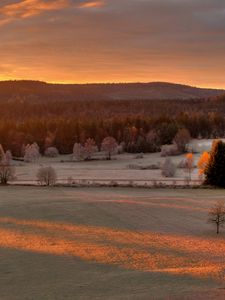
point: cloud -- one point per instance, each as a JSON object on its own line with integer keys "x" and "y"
{"x": 29, "y": 8}
{"x": 92, "y": 4}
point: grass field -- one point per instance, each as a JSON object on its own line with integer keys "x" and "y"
{"x": 65, "y": 243}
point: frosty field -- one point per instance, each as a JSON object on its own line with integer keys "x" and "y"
{"x": 119, "y": 168}
{"x": 74, "y": 243}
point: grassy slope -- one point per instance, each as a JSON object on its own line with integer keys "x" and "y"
{"x": 121, "y": 244}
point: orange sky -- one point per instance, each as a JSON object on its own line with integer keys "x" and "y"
{"x": 113, "y": 41}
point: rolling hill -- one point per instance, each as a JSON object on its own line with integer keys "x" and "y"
{"x": 38, "y": 91}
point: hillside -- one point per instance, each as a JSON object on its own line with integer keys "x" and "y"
{"x": 38, "y": 91}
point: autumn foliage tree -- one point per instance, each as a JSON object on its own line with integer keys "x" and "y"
{"x": 215, "y": 169}
{"x": 202, "y": 163}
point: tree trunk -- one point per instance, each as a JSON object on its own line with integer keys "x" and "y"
{"x": 217, "y": 228}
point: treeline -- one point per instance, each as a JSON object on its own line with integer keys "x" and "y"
{"x": 142, "y": 126}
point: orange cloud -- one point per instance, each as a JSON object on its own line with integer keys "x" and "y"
{"x": 93, "y": 4}
{"x": 29, "y": 8}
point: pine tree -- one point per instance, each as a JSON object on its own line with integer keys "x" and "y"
{"x": 215, "y": 169}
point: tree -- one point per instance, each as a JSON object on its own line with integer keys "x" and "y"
{"x": 31, "y": 152}
{"x": 202, "y": 163}
{"x": 89, "y": 148}
{"x": 215, "y": 169}
{"x": 7, "y": 172}
{"x": 182, "y": 138}
{"x": 2, "y": 153}
{"x": 8, "y": 157}
{"x": 168, "y": 168}
{"x": 189, "y": 164}
{"x": 47, "y": 176}
{"x": 109, "y": 144}
{"x": 217, "y": 215}
{"x": 78, "y": 152}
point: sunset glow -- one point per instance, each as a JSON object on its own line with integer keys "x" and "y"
{"x": 79, "y": 41}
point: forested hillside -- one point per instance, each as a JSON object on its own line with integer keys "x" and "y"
{"x": 141, "y": 125}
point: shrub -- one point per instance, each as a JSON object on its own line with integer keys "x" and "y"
{"x": 51, "y": 152}
{"x": 169, "y": 150}
{"x": 168, "y": 168}
{"x": 7, "y": 172}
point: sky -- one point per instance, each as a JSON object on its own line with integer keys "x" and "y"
{"x": 79, "y": 41}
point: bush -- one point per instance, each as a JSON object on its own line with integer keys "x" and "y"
{"x": 7, "y": 172}
{"x": 168, "y": 168}
{"x": 47, "y": 176}
{"x": 169, "y": 150}
{"x": 51, "y": 152}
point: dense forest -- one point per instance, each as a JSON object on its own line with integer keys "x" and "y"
{"x": 142, "y": 125}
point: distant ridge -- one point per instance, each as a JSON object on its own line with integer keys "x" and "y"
{"x": 38, "y": 91}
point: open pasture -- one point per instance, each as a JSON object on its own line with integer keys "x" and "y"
{"x": 65, "y": 243}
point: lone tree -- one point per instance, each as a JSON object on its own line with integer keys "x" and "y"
{"x": 217, "y": 215}
{"x": 46, "y": 176}
{"x": 109, "y": 144}
{"x": 215, "y": 169}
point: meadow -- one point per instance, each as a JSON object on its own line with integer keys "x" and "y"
{"x": 109, "y": 243}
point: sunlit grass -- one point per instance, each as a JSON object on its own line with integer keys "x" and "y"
{"x": 143, "y": 251}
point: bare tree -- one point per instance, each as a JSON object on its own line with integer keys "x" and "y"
{"x": 7, "y": 172}
{"x": 47, "y": 176}
{"x": 168, "y": 168}
{"x": 217, "y": 215}
{"x": 109, "y": 144}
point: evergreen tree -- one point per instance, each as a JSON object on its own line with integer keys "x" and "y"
{"x": 215, "y": 169}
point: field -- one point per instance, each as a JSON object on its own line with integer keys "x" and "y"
{"x": 74, "y": 243}
{"x": 122, "y": 167}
